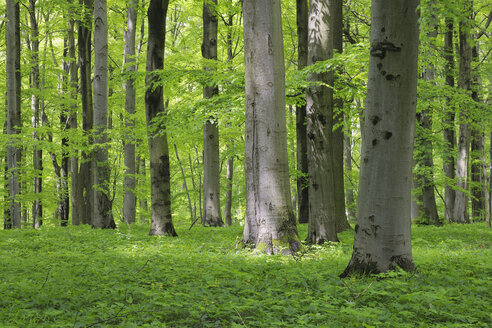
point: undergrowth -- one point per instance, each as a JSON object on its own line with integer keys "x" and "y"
{"x": 79, "y": 277}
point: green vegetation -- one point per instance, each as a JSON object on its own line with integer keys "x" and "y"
{"x": 78, "y": 277}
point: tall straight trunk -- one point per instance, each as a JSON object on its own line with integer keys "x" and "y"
{"x": 448, "y": 123}
{"x": 319, "y": 105}
{"x": 211, "y": 162}
{"x": 85, "y": 204}
{"x": 350, "y": 199}
{"x": 424, "y": 130}
{"x": 13, "y": 111}
{"x": 228, "y": 204}
{"x": 341, "y": 222}
{"x": 37, "y": 209}
{"x": 129, "y": 198}
{"x": 460, "y": 211}
{"x": 490, "y": 183}
{"x": 382, "y": 233}
{"x": 160, "y": 178}
{"x": 141, "y": 172}
{"x": 301, "y": 134}
{"x": 270, "y": 223}
{"x": 102, "y": 217}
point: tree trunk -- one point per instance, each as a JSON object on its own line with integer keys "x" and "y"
{"x": 270, "y": 221}
{"x": 228, "y": 203}
{"x": 351, "y": 204}
{"x": 37, "y": 208}
{"x": 102, "y": 217}
{"x": 319, "y": 104}
{"x": 160, "y": 189}
{"x": 424, "y": 129}
{"x": 13, "y": 111}
{"x": 460, "y": 211}
{"x": 382, "y": 233}
{"x": 341, "y": 222}
{"x": 448, "y": 123}
{"x": 211, "y": 177}
{"x": 301, "y": 134}
{"x": 129, "y": 198}
{"x": 84, "y": 208}
{"x": 490, "y": 183}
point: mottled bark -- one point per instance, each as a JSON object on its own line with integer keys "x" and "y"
{"x": 13, "y": 112}
{"x": 460, "y": 211}
{"x": 160, "y": 189}
{"x": 319, "y": 106}
{"x": 382, "y": 233}
{"x": 270, "y": 223}
{"x": 102, "y": 217}
{"x": 301, "y": 134}
{"x": 448, "y": 123}
{"x": 129, "y": 198}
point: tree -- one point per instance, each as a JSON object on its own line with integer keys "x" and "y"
{"x": 319, "y": 106}
{"x": 382, "y": 233}
{"x": 211, "y": 162}
{"x": 13, "y": 112}
{"x": 160, "y": 192}
{"x": 129, "y": 200}
{"x": 270, "y": 223}
{"x": 301, "y": 134}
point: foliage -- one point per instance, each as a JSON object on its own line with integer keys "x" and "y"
{"x": 78, "y": 277}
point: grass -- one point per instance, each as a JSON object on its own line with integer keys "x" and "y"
{"x": 79, "y": 277}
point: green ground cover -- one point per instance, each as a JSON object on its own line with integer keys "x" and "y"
{"x": 79, "y": 277}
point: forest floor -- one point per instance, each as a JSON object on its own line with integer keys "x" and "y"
{"x": 79, "y": 277}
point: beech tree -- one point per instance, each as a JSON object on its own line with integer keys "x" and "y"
{"x": 382, "y": 233}
{"x": 160, "y": 191}
{"x": 270, "y": 224}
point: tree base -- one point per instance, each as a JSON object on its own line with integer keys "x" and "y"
{"x": 368, "y": 267}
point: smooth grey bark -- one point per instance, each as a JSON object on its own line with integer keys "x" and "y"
{"x": 448, "y": 122}
{"x": 319, "y": 107}
{"x": 460, "y": 211}
{"x": 423, "y": 133}
{"x": 102, "y": 215}
{"x": 350, "y": 199}
{"x": 37, "y": 207}
{"x": 382, "y": 233}
{"x": 185, "y": 185}
{"x": 129, "y": 198}
{"x": 160, "y": 178}
{"x": 211, "y": 162}
{"x": 84, "y": 208}
{"x": 341, "y": 222}
{"x": 141, "y": 172}
{"x": 270, "y": 224}
{"x": 13, "y": 111}
{"x": 302, "y": 15}
{"x": 228, "y": 203}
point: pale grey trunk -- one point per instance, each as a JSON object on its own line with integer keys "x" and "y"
{"x": 341, "y": 222}
{"x": 13, "y": 111}
{"x": 424, "y": 130}
{"x": 129, "y": 198}
{"x": 228, "y": 203}
{"x": 211, "y": 163}
{"x": 102, "y": 217}
{"x": 37, "y": 208}
{"x": 160, "y": 178}
{"x": 301, "y": 134}
{"x": 460, "y": 211}
{"x": 350, "y": 199}
{"x": 382, "y": 233}
{"x": 141, "y": 172}
{"x": 185, "y": 185}
{"x": 319, "y": 106}
{"x": 448, "y": 123}
{"x": 84, "y": 208}
{"x": 489, "y": 213}
{"x": 270, "y": 222}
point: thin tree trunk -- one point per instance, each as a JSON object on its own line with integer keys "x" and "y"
{"x": 228, "y": 203}
{"x": 192, "y": 218}
{"x": 102, "y": 215}
{"x": 268, "y": 207}
{"x": 448, "y": 123}
{"x": 301, "y": 123}
{"x": 211, "y": 177}
{"x": 162, "y": 223}
{"x": 129, "y": 198}
{"x": 350, "y": 199}
{"x": 382, "y": 233}
{"x": 322, "y": 209}
{"x": 460, "y": 212}
{"x": 13, "y": 111}
{"x": 490, "y": 184}
{"x": 341, "y": 222}
{"x": 141, "y": 171}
